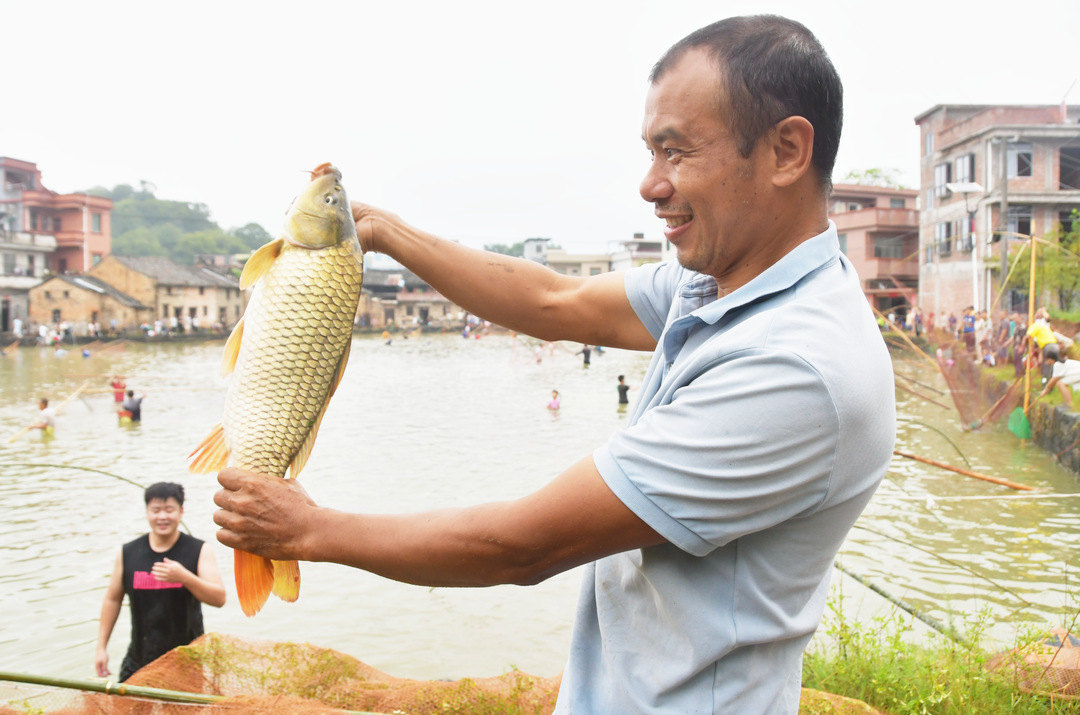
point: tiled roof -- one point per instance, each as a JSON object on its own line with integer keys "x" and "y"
{"x": 90, "y": 283}
{"x": 170, "y": 273}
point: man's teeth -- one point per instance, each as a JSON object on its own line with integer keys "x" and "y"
{"x": 676, "y": 221}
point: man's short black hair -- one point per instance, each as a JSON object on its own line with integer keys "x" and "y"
{"x": 771, "y": 68}
{"x": 165, "y": 491}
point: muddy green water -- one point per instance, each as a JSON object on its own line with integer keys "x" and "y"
{"x": 439, "y": 421}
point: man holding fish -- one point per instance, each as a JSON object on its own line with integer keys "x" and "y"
{"x": 710, "y": 523}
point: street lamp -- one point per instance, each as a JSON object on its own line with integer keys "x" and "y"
{"x": 968, "y": 189}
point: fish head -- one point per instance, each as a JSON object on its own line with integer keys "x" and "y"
{"x": 320, "y": 215}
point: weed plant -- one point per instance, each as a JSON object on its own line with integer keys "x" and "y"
{"x": 877, "y": 663}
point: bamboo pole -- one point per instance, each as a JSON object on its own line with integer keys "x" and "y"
{"x": 110, "y": 688}
{"x": 920, "y": 395}
{"x": 965, "y": 472}
{"x": 1031, "y": 320}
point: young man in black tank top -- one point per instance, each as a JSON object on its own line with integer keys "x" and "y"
{"x": 167, "y": 576}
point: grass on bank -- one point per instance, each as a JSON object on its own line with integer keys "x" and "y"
{"x": 876, "y": 663}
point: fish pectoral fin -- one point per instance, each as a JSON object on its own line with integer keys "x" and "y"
{"x": 286, "y": 580}
{"x": 260, "y": 262}
{"x": 254, "y": 576}
{"x": 232, "y": 348}
{"x": 340, "y": 368}
{"x": 211, "y": 455}
{"x": 302, "y": 454}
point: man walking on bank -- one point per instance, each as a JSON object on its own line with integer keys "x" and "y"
{"x": 708, "y": 526}
{"x": 167, "y": 576}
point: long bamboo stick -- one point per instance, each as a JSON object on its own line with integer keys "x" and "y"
{"x": 965, "y": 472}
{"x": 110, "y": 688}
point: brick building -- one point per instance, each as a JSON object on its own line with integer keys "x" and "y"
{"x": 80, "y": 300}
{"x": 194, "y": 296}
{"x": 878, "y": 228}
{"x": 976, "y": 161}
{"x": 78, "y": 224}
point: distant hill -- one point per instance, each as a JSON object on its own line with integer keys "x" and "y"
{"x": 144, "y": 225}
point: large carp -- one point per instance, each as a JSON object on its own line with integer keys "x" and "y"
{"x": 286, "y": 356}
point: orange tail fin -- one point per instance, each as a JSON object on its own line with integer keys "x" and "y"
{"x": 254, "y": 577}
{"x": 286, "y": 580}
{"x": 212, "y": 454}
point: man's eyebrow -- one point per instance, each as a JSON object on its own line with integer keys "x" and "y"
{"x": 662, "y": 136}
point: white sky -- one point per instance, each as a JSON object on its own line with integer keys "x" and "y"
{"x": 484, "y": 122}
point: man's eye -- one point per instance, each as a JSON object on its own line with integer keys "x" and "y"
{"x": 671, "y": 153}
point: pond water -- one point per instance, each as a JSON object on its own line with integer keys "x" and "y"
{"x": 435, "y": 421}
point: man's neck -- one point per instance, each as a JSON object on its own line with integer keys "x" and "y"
{"x": 161, "y": 544}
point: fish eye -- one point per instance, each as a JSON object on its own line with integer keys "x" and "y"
{"x": 331, "y": 200}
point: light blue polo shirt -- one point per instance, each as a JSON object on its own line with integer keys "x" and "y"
{"x": 764, "y": 425}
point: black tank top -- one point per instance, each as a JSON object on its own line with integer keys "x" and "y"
{"x": 163, "y": 615}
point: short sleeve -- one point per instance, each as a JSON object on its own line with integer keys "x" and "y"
{"x": 700, "y": 469}
{"x": 650, "y": 290}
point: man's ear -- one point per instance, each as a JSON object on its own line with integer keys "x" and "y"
{"x": 793, "y": 149}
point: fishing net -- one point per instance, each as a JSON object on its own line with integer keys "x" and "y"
{"x": 245, "y": 677}
{"x": 1050, "y": 666}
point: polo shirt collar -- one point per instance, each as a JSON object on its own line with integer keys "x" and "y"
{"x": 801, "y": 261}
{"x": 699, "y": 304}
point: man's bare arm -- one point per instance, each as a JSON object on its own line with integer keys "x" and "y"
{"x": 571, "y": 521}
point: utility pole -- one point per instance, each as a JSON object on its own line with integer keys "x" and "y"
{"x": 1003, "y": 218}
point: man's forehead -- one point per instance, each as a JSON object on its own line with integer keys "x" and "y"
{"x": 157, "y": 503}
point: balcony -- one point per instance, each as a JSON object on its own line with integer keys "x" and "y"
{"x": 876, "y": 218}
{"x": 19, "y": 239}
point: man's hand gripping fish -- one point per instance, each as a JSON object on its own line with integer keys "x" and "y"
{"x": 286, "y": 356}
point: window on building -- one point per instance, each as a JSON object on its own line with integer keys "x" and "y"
{"x": 1019, "y": 159}
{"x": 202, "y": 289}
{"x": 165, "y": 311}
{"x": 842, "y": 237}
{"x": 888, "y": 247}
{"x": 33, "y": 220}
{"x": 1069, "y": 179}
{"x": 95, "y": 222}
{"x": 1019, "y": 220}
{"x": 62, "y": 265}
{"x": 929, "y": 200}
{"x": 965, "y": 168}
{"x": 95, "y": 259}
{"x": 594, "y": 271}
{"x": 965, "y": 235}
{"x": 30, "y": 267}
{"x": 896, "y": 203}
{"x": 1069, "y": 220}
{"x": 56, "y": 223}
{"x": 56, "y": 315}
{"x": 928, "y": 255}
{"x": 928, "y": 144}
{"x": 67, "y": 294}
{"x": 943, "y": 232}
{"x": 48, "y": 295}
{"x": 205, "y": 310}
{"x": 9, "y": 264}
{"x": 408, "y": 310}
{"x": 942, "y": 176}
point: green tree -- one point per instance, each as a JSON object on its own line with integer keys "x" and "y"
{"x": 886, "y": 178}
{"x": 253, "y": 235}
{"x": 1057, "y": 266}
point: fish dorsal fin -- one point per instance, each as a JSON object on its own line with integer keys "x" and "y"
{"x": 232, "y": 348}
{"x": 304, "y": 452}
{"x": 260, "y": 263}
{"x": 212, "y": 454}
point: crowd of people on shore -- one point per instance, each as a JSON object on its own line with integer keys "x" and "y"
{"x": 1003, "y": 341}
